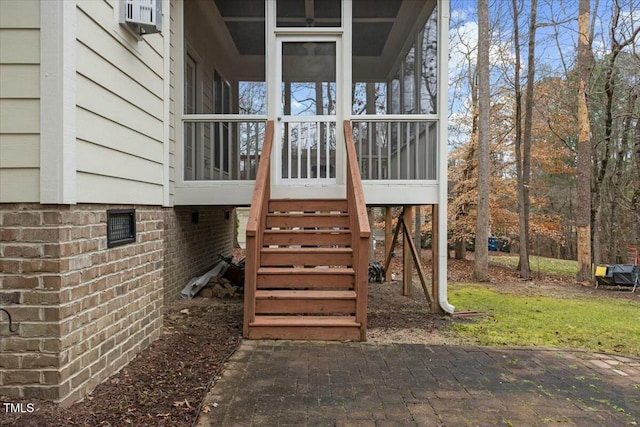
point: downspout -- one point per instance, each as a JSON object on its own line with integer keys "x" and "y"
{"x": 443, "y": 88}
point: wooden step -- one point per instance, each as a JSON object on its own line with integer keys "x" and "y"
{"x": 309, "y": 220}
{"x": 306, "y": 256}
{"x": 305, "y": 327}
{"x": 308, "y": 205}
{"x": 307, "y": 237}
{"x": 314, "y": 278}
{"x": 304, "y": 301}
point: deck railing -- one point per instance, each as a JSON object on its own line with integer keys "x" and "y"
{"x": 396, "y": 147}
{"x": 389, "y": 147}
{"x": 222, "y": 147}
{"x": 360, "y": 231}
{"x": 255, "y": 224}
{"x": 308, "y": 148}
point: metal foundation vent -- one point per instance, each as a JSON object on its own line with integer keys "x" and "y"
{"x": 121, "y": 227}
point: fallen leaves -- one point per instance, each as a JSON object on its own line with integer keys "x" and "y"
{"x": 182, "y": 404}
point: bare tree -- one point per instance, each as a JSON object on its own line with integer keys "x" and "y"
{"x": 604, "y": 167}
{"x": 583, "y": 219}
{"x": 481, "y": 258}
{"x": 523, "y": 139}
{"x": 525, "y": 271}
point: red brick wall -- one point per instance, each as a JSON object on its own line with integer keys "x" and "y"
{"x": 192, "y": 249}
{"x": 84, "y": 310}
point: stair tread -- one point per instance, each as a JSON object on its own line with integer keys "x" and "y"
{"x": 308, "y": 231}
{"x": 305, "y": 271}
{"x": 304, "y": 294}
{"x": 309, "y": 199}
{"x": 315, "y": 250}
{"x": 308, "y": 214}
{"x": 308, "y": 321}
{"x": 314, "y": 204}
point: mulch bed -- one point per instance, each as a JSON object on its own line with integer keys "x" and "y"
{"x": 164, "y": 385}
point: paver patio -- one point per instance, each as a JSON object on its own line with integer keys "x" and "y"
{"x": 287, "y": 383}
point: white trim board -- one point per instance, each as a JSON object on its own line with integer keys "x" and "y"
{"x": 58, "y": 102}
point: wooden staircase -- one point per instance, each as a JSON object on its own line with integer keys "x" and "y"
{"x": 305, "y": 281}
{"x": 306, "y": 262}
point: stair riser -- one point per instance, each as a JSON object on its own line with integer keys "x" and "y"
{"x": 307, "y": 205}
{"x": 311, "y": 260}
{"x": 319, "y": 221}
{"x": 311, "y": 281}
{"x": 294, "y": 238}
{"x": 298, "y": 306}
{"x": 305, "y": 333}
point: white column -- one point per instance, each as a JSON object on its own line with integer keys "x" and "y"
{"x": 166, "y": 38}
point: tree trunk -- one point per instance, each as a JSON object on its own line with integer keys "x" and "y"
{"x": 481, "y": 258}
{"x": 636, "y": 194}
{"x": 525, "y": 270}
{"x": 523, "y": 263}
{"x": 460, "y": 249}
{"x": 583, "y": 218}
{"x": 417, "y": 230}
{"x": 616, "y": 193}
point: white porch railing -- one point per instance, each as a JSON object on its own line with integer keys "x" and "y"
{"x": 390, "y": 147}
{"x": 222, "y": 147}
{"x": 396, "y": 147}
{"x": 308, "y": 148}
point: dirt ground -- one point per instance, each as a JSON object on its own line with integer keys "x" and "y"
{"x": 165, "y": 385}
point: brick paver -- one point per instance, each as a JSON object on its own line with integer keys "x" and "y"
{"x": 286, "y": 383}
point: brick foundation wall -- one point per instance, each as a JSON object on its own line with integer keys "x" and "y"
{"x": 84, "y": 310}
{"x": 192, "y": 249}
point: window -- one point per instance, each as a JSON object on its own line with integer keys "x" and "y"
{"x": 302, "y": 13}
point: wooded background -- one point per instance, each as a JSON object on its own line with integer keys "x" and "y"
{"x": 536, "y": 63}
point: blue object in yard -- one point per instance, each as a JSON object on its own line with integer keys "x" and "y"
{"x": 493, "y": 244}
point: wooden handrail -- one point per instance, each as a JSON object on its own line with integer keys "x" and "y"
{"x": 360, "y": 230}
{"x": 353, "y": 175}
{"x": 255, "y": 223}
{"x": 261, "y": 190}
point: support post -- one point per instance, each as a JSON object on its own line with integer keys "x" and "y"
{"x": 388, "y": 226}
{"x": 407, "y": 270}
{"x": 435, "y": 273}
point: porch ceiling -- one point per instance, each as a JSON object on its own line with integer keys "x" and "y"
{"x": 382, "y": 29}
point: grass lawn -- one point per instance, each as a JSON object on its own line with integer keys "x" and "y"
{"x": 562, "y": 267}
{"x": 607, "y": 325}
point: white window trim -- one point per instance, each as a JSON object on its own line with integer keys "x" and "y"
{"x": 166, "y": 193}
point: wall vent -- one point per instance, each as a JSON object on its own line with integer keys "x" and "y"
{"x": 141, "y": 17}
{"x": 121, "y": 227}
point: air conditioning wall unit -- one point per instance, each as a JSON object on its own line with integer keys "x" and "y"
{"x": 141, "y": 17}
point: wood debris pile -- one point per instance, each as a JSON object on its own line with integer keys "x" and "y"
{"x": 221, "y": 287}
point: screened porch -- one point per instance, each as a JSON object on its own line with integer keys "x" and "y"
{"x": 310, "y": 65}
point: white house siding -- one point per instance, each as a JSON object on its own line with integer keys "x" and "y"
{"x": 19, "y": 100}
{"x": 119, "y": 113}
